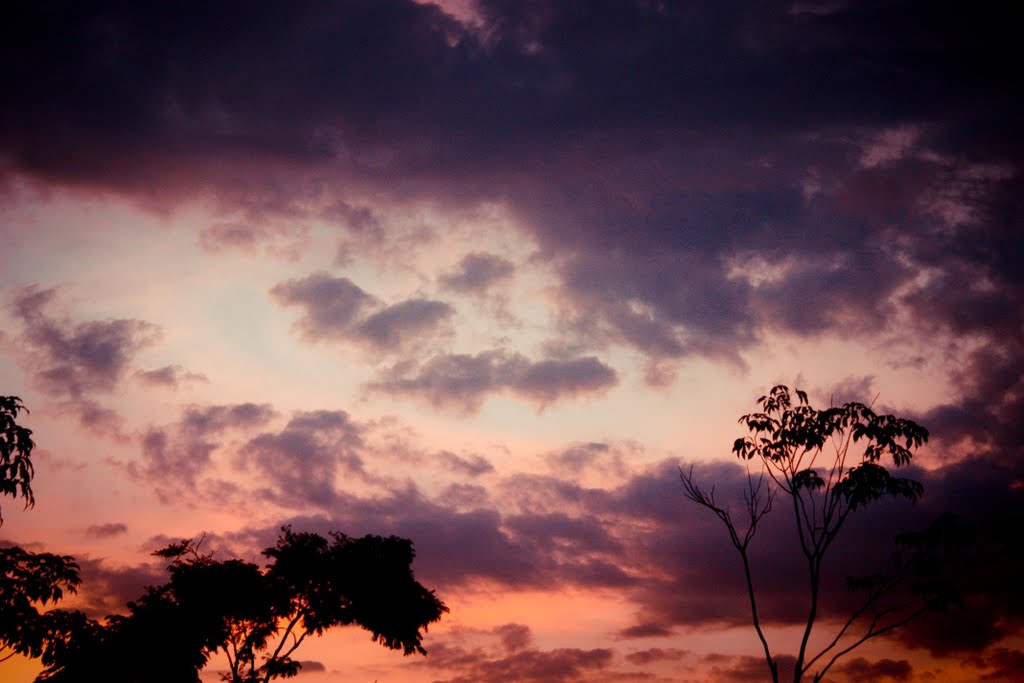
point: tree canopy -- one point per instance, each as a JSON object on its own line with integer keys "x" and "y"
{"x": 257, "y": 616}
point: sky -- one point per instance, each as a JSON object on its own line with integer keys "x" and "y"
{"x": 484, "y": 274}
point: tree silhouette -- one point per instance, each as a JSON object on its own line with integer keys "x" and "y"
{"x": 827, "y": 463}
{"x": 15, "y": 453}
{"x": 257, "y": 616}
{"x": 27, "y": 580}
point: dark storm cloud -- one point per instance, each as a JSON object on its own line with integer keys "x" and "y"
{"x": 643, "y": 145}
{"x": 170, "y": 376}
{"x": 477, "y": 272}
{"x": 337, "y": 309}
{"x": 462, "y": 382}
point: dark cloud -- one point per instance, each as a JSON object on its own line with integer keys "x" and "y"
{"x": 462, "y": 382}
{"x": 860, "y": 669}
{"x": 177, "y": 454}
{"x": 656, "y": 654}
{"x": 526, "y": 666}
{"x": 107, "y": 589}
{"x": 646, "y": 630}
{"x": 299, "y": 464}
{"x": 476, "y": 273}
{"x": 453, "y": 548}
{"x": 743, "y": 669}
{"x": 648, "y": 148}
{"x": 337, "y": 309}
{"x": 170, "y": 376}
{"x": 583, "y": 457}
{"x": 107, "y": 530}
{"x": 77, "y": 359}
{"x": 1007, "y": 665}
{"x": 474, "y": 465}
{"x": 514, "y": 637}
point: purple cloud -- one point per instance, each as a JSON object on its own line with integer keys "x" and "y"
{"x": 473, "y": 466}
{"x": 169, "y": 376}
{"x": 337, "y": 309}
{"x": 476, "y": 273}
{"x": 107, "y": 530}
{"x": 462, "y": 382}
{"x": 177, "y": 454}
{"x": 299, "y": 464}
{"x": 860, "y": 669}
{"x": 656, "y": 654}
{"x": 76, "y": 359}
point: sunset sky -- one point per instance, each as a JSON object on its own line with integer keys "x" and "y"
{"x": 483, "y": 274}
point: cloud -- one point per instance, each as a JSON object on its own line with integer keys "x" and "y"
{"x": 656, "y": 654}
{"x": 473, "y": 466}
{"x": 476, "y": 273}
{"x": 462, "y": 382}
{"x": 337, "y": 309}
{"x": 581, "y": 458}
{"x": 511, "y": 658}
{"x": 107, "y": 530}
{"x": 176, "y": 455}
{"x": 170, "y": 376}
{"x": 76, "y": 359}
{"x": 300, "y": 463}
{"x": 514, "y": 637}
{"x": 860, "y": 669}
{"x": 231, "y": 235}
{"x": 1008, "y": 665}
{"x": 107, "y": 589}
{"x": 646, "y": 630}
{"x": 644, "y": 148}
{"x": 740, "y": 669}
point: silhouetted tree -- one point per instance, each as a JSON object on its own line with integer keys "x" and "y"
{"x": 27, "y": 580}
{"x": 257, "y": 616}
{"x": 15, "y": 452}
{"x": 827, "y": 463}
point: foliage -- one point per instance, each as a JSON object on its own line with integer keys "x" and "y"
{"x": 828, "y": 463}
{"x": 15, "y": 452}
{"x": 28, "y": 580}
{"x": 257, "y": 616}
